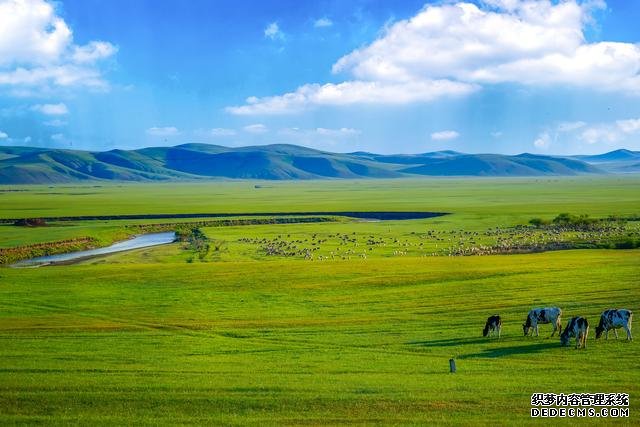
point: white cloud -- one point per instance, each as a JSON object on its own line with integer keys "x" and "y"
{"x": 322, "y": 132}
{"x": 37, "y": 50}
{"x": 612, "y": 132}
{"x": 163, "y": 131}
{"x": 323, "y": 22}
{"x": 608, "y": 133}
{"x": 570, "y": 126}
{"x": 597, "y": 134}
{"x": 67, "y": 75}
{"x": 27, "y": 139}
{"x": 58, "y": 137}
{"x": 55, "y": 123}
{"x": 32, "y": 33}
{"x": 256, "y": 129}
{"x": 458, "y": 47}
{"x": 342, "y": 132}
{"x": 272, "y": 31}
{"x": 496, "y": 134}
{"x": 221, "y": 132}
{"x": 51, "y": 109}
{"x": 353, "y": 92}
{"x": 522, "y": 41}
{"x": 3, "y": 135}
{"x": 629, "y": 126}
{"x": 92, "y": 52}
{"x": 543, "y": 141}
{"x": 319, "y": 137}
{"x": 444, "y": 135}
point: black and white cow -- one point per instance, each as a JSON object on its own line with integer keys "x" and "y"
{"x": 614, "y": 319}
{"x": 543, "y": 315}
{"x": 494, "y": 323}
{"x": 577, "y": 327}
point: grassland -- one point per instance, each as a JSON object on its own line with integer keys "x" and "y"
{"x": 146, "y": 337}
{"x": 491, "y": 200}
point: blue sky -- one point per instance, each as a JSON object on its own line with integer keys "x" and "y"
{"x": 507, "y": 76}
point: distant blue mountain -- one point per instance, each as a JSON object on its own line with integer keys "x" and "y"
{"x": 611, "y": 156}
{"x": 617, "y": 161}
{"x": 28, "y": 165}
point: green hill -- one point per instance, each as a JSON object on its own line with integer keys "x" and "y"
{"x": 27, "y": 165}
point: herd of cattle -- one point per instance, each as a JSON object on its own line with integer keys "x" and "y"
{"x": 578, "y": 327}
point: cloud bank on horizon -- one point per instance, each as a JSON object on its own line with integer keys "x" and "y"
{"x": 474, "y": 75}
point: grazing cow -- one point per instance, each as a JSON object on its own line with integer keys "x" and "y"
{"x": 614, "y": 319}
{"x": 577, "y": 327}
{"x": 494, "y": 323}
{"x": 543, "y": 315}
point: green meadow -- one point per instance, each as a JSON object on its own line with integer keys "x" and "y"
{"x": 240, "y": 336}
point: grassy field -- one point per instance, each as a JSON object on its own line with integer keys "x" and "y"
{"x": 148, "y": 337}
{"x": 501, "y": 199}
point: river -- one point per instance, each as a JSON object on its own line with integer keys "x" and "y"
{"x": 143, "y": 241}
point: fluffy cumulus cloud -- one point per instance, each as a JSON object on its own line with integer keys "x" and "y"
{"x": 444, "y": 135}
{"x": 610, "y": 133}
{"x": 272, "y": 31}
{"x": 543, "y": 141}
{"x": 352, "y": 92}
{"x": 37, "y": 50}
{"x": 323, "y": 23}
{"x": 3, "y": 135}
{"x": 528, "y": 42}
{"x": 51, "y": 109}
{"x": 256, "y": 129}
{"x": 456, "y": 48}
{"x": 629, "y": 125}
{"x": 163, "y": 131}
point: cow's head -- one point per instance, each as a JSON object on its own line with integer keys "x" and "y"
{"x": 526, "y": 326}
{"x": 564, "y": 338}
{"x": 599, "y": 331}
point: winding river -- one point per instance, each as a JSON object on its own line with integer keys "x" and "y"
{"x": 142, "y": 241}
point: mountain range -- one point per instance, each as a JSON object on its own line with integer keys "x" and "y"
{"x": 30, "y": 165}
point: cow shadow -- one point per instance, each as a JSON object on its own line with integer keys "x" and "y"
{"x": 449, "y": 342}
{"x": 512, "y": 350}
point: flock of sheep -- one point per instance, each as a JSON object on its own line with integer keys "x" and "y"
{"x": 578, "y": 327}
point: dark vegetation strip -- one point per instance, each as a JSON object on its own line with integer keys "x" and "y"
{"x": 186, "y": 231}
{"x": 18, "y": 253}
{"x": 184, "y": 228}
{"x": 360, "y": 215}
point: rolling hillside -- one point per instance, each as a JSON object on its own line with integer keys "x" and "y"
{"x": 618, "y": 161}
{"x": 28, "y": 165}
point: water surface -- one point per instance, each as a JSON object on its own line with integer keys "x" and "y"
{"x": 143, "y": 241}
